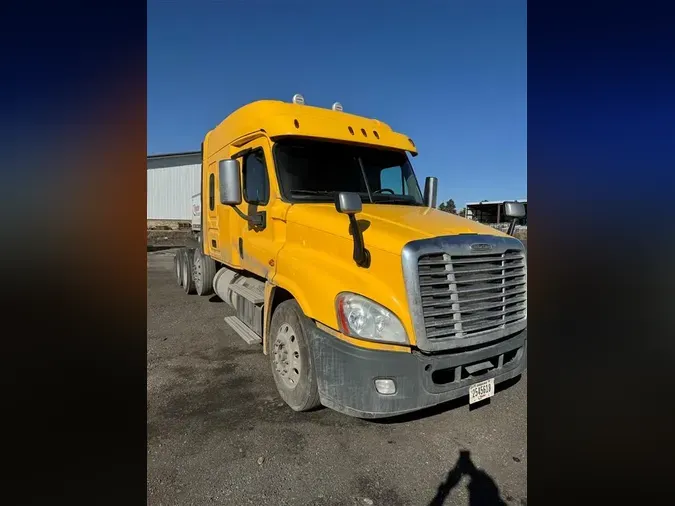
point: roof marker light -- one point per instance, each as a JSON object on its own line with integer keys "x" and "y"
{"x": 337, "y": 106}
{"x": 298, "y": 99}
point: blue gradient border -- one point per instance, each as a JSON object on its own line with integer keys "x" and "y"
{"x": 601, "y": 158}
{"x": 72, "y": 192}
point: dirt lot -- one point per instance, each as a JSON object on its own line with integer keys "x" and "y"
{"x": 219, "y": 434}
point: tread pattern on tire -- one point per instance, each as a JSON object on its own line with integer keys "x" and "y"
{"x": 188, "y": 280}
{"x": 307, "y": 398}
{"x": 178, "y": 267}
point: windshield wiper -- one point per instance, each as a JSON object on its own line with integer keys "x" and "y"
{"x": 387, "y": 199}
{"x": 314, "y": 192}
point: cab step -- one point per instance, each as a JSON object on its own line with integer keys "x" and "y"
{"x": 243, "y": 330}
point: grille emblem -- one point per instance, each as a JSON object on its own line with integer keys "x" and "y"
{"x": 481, "y": 247}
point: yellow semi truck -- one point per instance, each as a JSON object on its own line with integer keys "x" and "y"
{"x": 365, "y": 298}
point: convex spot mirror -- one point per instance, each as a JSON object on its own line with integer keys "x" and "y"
{"x": 348, "y": 203}
{"x": 514, "y": 209}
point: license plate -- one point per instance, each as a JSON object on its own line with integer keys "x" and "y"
{"x": 481, "y": 391}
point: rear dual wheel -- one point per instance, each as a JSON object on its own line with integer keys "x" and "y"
{"x": 187, "y": 264}
{"x": 203, "y": 272}
{"x": 178, "y": 266}
{"x": 194, "y": 271}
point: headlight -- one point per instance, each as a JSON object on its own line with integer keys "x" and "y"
{"x": 361, "y": 317}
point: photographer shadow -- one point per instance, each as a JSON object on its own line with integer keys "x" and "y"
{"x": 483, "y": 491}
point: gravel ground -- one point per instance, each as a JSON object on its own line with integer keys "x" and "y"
{"x": 218, "y": 433}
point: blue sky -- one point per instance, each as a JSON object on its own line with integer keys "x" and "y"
{"x": 450, "y": 74}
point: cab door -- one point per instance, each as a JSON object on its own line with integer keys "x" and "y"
{"x": 255, "y": 243}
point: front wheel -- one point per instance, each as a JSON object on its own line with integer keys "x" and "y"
{"x": 291, "y": 357}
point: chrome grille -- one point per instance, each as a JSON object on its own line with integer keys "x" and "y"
{"x": 464, "y": 295}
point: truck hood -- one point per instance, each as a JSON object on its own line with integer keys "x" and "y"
{"x": 387, "y": 227}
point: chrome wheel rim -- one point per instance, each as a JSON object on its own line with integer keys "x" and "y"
{"x": 286, "y": 356}
{"x": 197, "y": 272}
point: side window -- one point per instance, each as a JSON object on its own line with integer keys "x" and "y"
{"x": 392, "y": 179}
{"x": 256, "y": 187}
{"x": 212, "y": 192}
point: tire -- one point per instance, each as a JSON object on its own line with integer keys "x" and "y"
{"x": 178, "y": 266}
{"x": 188, "y": 280}
{"x": 203, "y": 273}
{"x": 294, "y": 376}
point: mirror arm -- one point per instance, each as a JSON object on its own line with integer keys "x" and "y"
{"x": 512, "y": 226}
{"x": 349, "y": 203}
{"x": 361, "y": 254}
{"x": 257, "y": 220}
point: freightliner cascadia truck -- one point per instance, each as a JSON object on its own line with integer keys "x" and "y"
{"x": 364, "y": 297}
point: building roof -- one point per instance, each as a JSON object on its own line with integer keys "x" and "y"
{"x": 173, "y": 155}
{"x": 494, "y": 202}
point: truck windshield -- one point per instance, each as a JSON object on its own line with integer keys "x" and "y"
{"x": 315, "y": 171}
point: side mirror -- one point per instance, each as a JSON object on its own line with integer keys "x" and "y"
{"x": 348, "y": 203}
{"x": 430, "y": 191}
{"x": 514, "y": 209}
{"x": 230, "y": 182}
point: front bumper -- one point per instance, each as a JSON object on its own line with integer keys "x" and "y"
{"x": 346, "y": 374}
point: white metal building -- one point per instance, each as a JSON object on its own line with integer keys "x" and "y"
{"x": 173, "y": 179}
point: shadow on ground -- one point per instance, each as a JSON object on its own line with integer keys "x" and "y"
{"x": 482, "y": 489}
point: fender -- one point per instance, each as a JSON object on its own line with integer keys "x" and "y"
{"x": 315, "y": 284}
{"x": 270, "y": 292}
